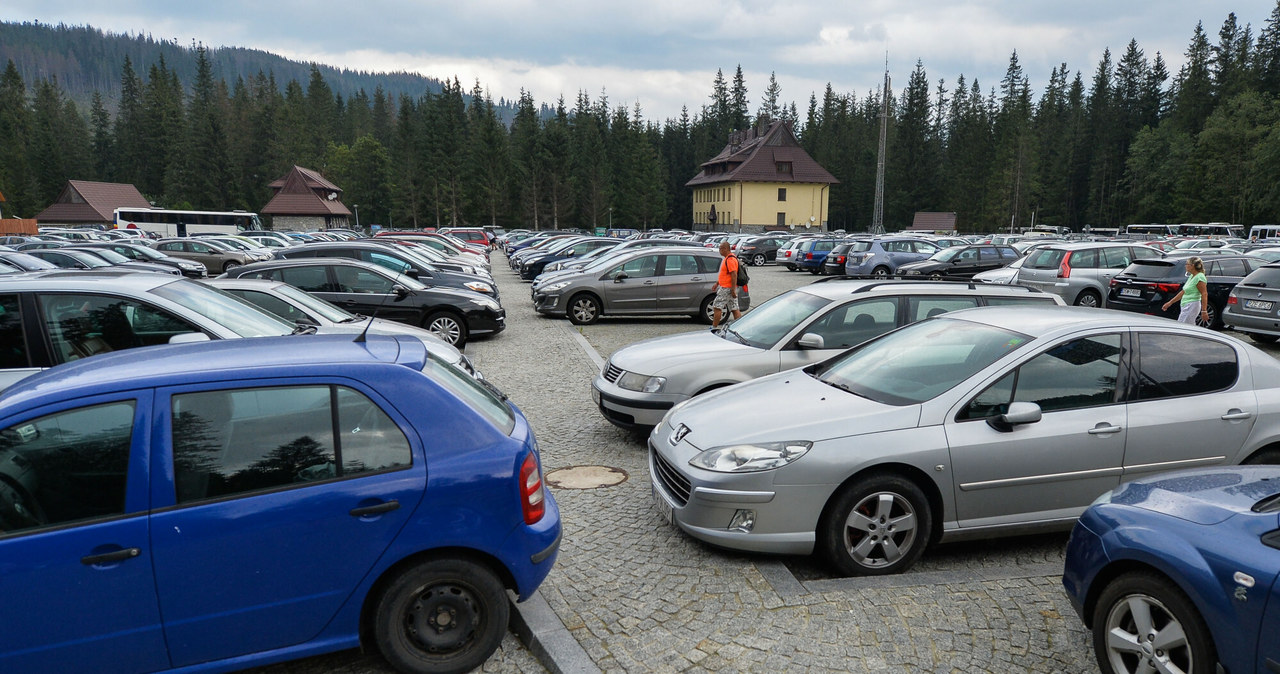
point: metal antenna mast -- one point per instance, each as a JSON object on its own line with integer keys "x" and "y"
{"x": 877, "y": 215}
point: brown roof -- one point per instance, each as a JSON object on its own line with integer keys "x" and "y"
{"x": 927, "y": 221}
{"x": 753, "y": 156}
{"x": 87, "y": 201}
{"x": 304, "y": 192}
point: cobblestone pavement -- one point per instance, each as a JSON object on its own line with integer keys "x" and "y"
{"x": 640, "y": 596}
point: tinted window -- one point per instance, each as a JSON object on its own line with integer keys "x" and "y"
{"x": 1072, "y": 375}
{"x": 1008, "y": 253}
{"x": 1179, "y": 365}
{"x": 855, "y": 322}
{"x": 920, "y": 308}
{"x": 85, "y": 325}
{"x": 1264, "y": 276}
{"x": 382, "y": 260}
{"x": 65, "y": 467}
{"x": 708, "y": 265}
{"x": 13, "y": 344}
{"x": 245, "y": 440}
{"x": 1233, "y": 268}
{"x": 270, "y": 303}
{"x": 988, "y": 254}
{"x": 353, "y": 280}
{"x": 311, "y": 279}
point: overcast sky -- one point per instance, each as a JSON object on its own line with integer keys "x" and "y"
{"x": 664, "y": 53}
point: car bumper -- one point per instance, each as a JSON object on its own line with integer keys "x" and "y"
{"x": 486, "y": 321}
{"x": 1249, "y": 321}
{"x": 1086, "y": 556}
{"x": 549, "y": 304}
{"x": 631, "y": 410}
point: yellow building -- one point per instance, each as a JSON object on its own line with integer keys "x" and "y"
{"x": 762, "y": 178}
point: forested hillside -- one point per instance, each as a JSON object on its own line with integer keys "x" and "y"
{"x": 1123, "y": 141}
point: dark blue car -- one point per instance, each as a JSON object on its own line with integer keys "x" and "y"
{"x": 1177, "y": 572}
{"x": 222, "y": 505}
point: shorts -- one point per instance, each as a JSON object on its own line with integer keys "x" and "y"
{"x": 724, "y": 301}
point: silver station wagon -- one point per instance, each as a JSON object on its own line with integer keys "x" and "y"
{"x": 650, "y": 281}
{"x": 799, "y": 327}
{"x": 980, "y": 423}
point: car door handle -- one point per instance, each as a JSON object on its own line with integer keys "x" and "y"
{"x": 108, "y": 557}
{"x": 375, "y": 509}
{"x": 696, "y": 278}
{"x": 1105, "y": 430}
{"x": 1236, "y": 415}
{"x": 649, "y": 283}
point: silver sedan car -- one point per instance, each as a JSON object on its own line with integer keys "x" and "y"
{"x": 976, "y": 424}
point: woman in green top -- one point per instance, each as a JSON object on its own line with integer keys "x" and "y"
{"x": 1194, "y": 302}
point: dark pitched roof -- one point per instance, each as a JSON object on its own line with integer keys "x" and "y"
{"x": 925, "y": 220}
{"x": 87, "y": 201}
{"x": 753, "y": 156}
{"x": 304, "y": 192}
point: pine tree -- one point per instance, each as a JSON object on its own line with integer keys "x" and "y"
{"x": 527, "y": 161}
{"x": 739, "y": 105}
{"x": 102, "y": 148}
{"x": 488, "y": 158}
{"x": 1193, "y": 97}
{"x": 17, "y": 181}
{"x": 770, "y": 108}
{"x": 202, "y": 178}
{"x": 556, "y": 156}
{"x": 1266, "y": 55}
{"x": 131, "y": 143}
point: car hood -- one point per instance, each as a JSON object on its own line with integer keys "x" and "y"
{"x": 923, "y": 265}
{"x": 1203, "y": 496}
{"x": 790, "y": 405}
{"x": 655, "y": 356}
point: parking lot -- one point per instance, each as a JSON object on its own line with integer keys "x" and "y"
{"x": 635, "y": 594}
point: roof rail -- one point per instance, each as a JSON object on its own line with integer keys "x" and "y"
{"x": 970, "y": 284}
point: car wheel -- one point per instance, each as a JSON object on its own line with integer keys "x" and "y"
{"x": 758, "y": 260}
{"x": 584, "y": 309}
{"x": 1214, "y": 321}
{"x": 441, "y": 616}
{"x": 706, "y": 313}
{"x": 229, "y": 266}
{"x": 1089, "y": 298}
{"x": 1266, "y": 457}
{"x": 936, "y": 276}
{"x": 877, "y": 525}
{"x": 791, "y": 267}
{"x": 1144, "y": 623}
{"x": 1262, "y": 339}
{"x": 448, "y": 327}
{"x": 880, "y": 272}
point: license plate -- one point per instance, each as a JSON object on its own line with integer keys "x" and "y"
{"x": 1130, "y": 292}
{"x": 1257, "y": 305}
{"x": 663, "y": 508}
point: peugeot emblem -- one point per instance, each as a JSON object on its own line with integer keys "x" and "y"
{"x": 679, "y": 434}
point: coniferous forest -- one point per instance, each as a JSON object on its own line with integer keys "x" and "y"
{"x": 1122, "y": 142}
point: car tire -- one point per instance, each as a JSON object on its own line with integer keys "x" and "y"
{"x": 791, "y": 267}
{"x": 935, "y": 276}
{"x": 1261, "y": 338}
{"x": 584, "y": 309}
{"x": 880, "y": 272}
{"x": 1089, "y": 298}
{"x": 1215, "y": 318}
{"x": 441, "y": 616}
{"x": 1265, "y": 457}
{"x": 1166, "y": 609}
{"x": 447, "y": 326}
{"x": 853, "y": 533}
{"x": 758, "y": 260}
{"x": 229, "y": 266}
{"x": 706, "y": 314}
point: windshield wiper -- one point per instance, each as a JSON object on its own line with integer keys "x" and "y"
{"x": 735, "y": 334}
{"x": 842, "y": 387}
{"x": 302, "y": 329}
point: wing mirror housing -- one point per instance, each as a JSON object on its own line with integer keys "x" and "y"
{"x": 1019, "y": 414}
{"x": 811, "y": 341}
{"x": 620, "y": 277}
{"x": 399, "y": 291}
{"x": 188, "y": 338}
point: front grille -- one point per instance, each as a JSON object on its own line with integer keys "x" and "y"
{"x": 611, "y": 373}
{"x": 672, "y": 481}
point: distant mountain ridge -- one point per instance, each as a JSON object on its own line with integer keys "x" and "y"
{"x": 85, "y": 59}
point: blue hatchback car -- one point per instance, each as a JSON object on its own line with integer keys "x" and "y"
{"x": 1177, "y": 572}
{"x": 214, "y": 506}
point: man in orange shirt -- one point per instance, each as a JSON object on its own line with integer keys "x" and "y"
{"x": 727, "y": 292}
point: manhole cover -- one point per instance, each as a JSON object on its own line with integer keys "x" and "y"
{"x": 586, "y": 477}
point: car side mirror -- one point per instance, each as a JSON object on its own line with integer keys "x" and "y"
{"x": 1018, "y": 415}
{"x": 399, "y": 291}
{"x": 412, "y": 273}
{"x": 620, "y": 277}
{"x": 188, "y": 338}
{"x": 570, "y": 253}
{"x": 811, "y": 341}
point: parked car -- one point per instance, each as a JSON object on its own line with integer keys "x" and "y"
{"x": 1177, "y": 572}
{"x": 598, "y": 257}
{"x": 214, "y": 257}
{"x": 787, "y": 253}
{"x": 800, "y": 327}
{"x": 1253, "y": 305}
{"x": 67, "y": 257}
{"x": 881, "y": 257}
{"x": 534, "y": 265}
{"x": 1081, "y": 273}
{"x": 140, "y": 252}
{"x": 758, "y": 251}
{"x": 834, "y": 263}
{"x": 975, "y": 424}
{"x": 811, "y": 254}
{"x": 20, "y": 261}
{"x": 470, "y": 235}
{"x": 340, "y": 494}
{"x": 1005, "y": 275}
{"x": 453, "y": 314}
{"x": 117, "y": 260}
{"x": 301, "y": 308}
{"x": 269, "y": 238}
{"x": 1146, "y": 285}
{"x": 648, "y": 281}
{"x": 397, "y": 259}
{"x": 960, "y": 262}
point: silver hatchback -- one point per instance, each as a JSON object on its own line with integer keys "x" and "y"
{"x": 1080, "y": 273}
{"x": 650, "y": 281}
{"x": 977, "y": 424}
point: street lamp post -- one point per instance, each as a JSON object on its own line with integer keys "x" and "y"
{"x": 611, "y": 217}
{"x": 356, "y": 207}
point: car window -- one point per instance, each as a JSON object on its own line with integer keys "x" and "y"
{"x": 1072, "y": 375}
{"x": 988, "y": 254}
{"x": 681, "y": 265}
{"x": 1084, "y": 259}
{"x": 311, "y": 278}
{"x": 354, "y": 280}
{"x": 855, "y": 322}
{"x": 898, "y": 246}
{"x": 1014, "y": 301}
{"x": 924, "y": 247}
{"x": 965, "y": 255}
{"x": 82, "y": 325}
{"x": 1008, "y": 253}
{"x": 383, "y": 260}
{"x": 199, "y": 248}
{"x": 69, "y": 466}
{"x": 1145, "y": 253}
{"x": 174, "y": 246}
{"x": 1234, "y": 268}
{"x": 271, "y": 303}
{"x": 644, "y": 266}
{"x": 1044, "y": 258}
{"x": 240, "y": 441}
{"x": 1179, "y": 365}
{"x": 920, "y": 308}
{"x": 708, "y": 264}
{"x": 1115, "y": 258}
{"x": 13, "y": 343}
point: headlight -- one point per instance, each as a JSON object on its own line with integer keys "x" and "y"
{"x": 555, "y": 286}
{"x": 487, "y": 303}
{"x": 638, "y": 382}
{"x": 750, "y": 458}
{"x": 480, "y": 287}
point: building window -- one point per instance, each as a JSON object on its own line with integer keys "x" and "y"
{"x": 784, "y": 168}
{"x": 782, "y": 219}
{"x": 782, "y": 194}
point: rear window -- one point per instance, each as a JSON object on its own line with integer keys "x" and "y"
{"x": 1263, "y": 277}
{"x": 860, "y": 247}
{"x": 1154, "y": 270}
{"x": 1044, "y": 258}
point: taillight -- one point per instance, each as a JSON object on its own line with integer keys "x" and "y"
{"x": 1168, "y": 287}
{"x": 1064, "y": 271}
{"x": 840, "y": 259}
{"x": 808, "y": 256}
{"x": 1114, "y": 283}
{"x": 1232, "y": 300}
{"x": 532, "y": 498}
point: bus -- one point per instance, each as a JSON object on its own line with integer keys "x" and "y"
{"x": 1151, "y": 230}
{"x": 167, "y": 222}
{"x": 1211, "y": 230}
{"x": 1264, "y": 233}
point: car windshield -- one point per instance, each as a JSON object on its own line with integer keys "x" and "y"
{"x": 223, "y": 308}
{"x": 315, "y": 304}
{"x": 148, "y": 253}
{"x": 89, "y": 259}
{"x": 763, "y": 326}
{"x": 110, "y": 256}
{"x": 918, "y": 362}
{"x": 946, "y": 254}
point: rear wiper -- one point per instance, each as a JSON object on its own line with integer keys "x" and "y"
{"x": 494, "y": 389}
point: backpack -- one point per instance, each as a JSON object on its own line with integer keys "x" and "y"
{"x": 743, "y": 278}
